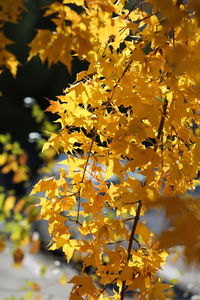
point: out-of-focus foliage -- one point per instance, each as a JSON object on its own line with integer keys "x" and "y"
{"x": 16, "y": 214}
{"x": 13, "y": 159}
{"x": 32, "y": 291}
{"x": 11, "y": 11}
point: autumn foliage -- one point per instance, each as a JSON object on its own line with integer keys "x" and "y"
{"x": 136, "y": 107}
{"x": 9, "y": 12}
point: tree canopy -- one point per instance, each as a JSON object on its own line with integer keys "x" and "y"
{"x": 136, "y": 107}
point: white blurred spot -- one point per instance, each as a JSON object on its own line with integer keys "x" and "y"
{"x": 57, "y": 263}
{"x": 35, "y": 236}
{"x": 33, "y": 137}
{"x": 29, "y": 101}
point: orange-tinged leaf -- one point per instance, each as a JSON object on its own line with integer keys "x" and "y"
{"x": 156, "y": 293}
{"x": 23, "y": 159}
{"x": 18, "y": 257}
{"x": 2, "y": 243}
{"x": 35, "y": 286}
{"x": 20, "y": 175}
{"x": 75, "y": 296}
{"x": 55, "y": 107}
{"x": 48, "y": 185}
{"x": 38, "y": 297}
{"x": 19, "y": 205}
{"x": 85, "y": 285}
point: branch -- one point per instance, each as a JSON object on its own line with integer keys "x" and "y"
{"x": 147, "y": 17}
{"x": 162, "y": 122}
{"x": 130, "y": 244}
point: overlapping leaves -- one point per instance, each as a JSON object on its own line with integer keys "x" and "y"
{"x": 135, "y": 108}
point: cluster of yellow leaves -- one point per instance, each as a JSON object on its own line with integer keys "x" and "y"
{"x": 135, "y": 108}
{"x": 83, "y": 33}
{"x": 10, "y": 11}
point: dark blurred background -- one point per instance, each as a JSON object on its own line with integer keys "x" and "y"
{"x": 34, "y": 79}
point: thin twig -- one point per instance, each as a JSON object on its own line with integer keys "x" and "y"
{"x": 129, "y": 219}
{"x": 137, "y": 242}
{"x": 147, "y": 17}
{"x": 177, "y": 135}
{"x": 128, "y": 203}
{"x": 133, "y": 7}
{"x": 75, "y": 221}
{"x": 118, "y": 242}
